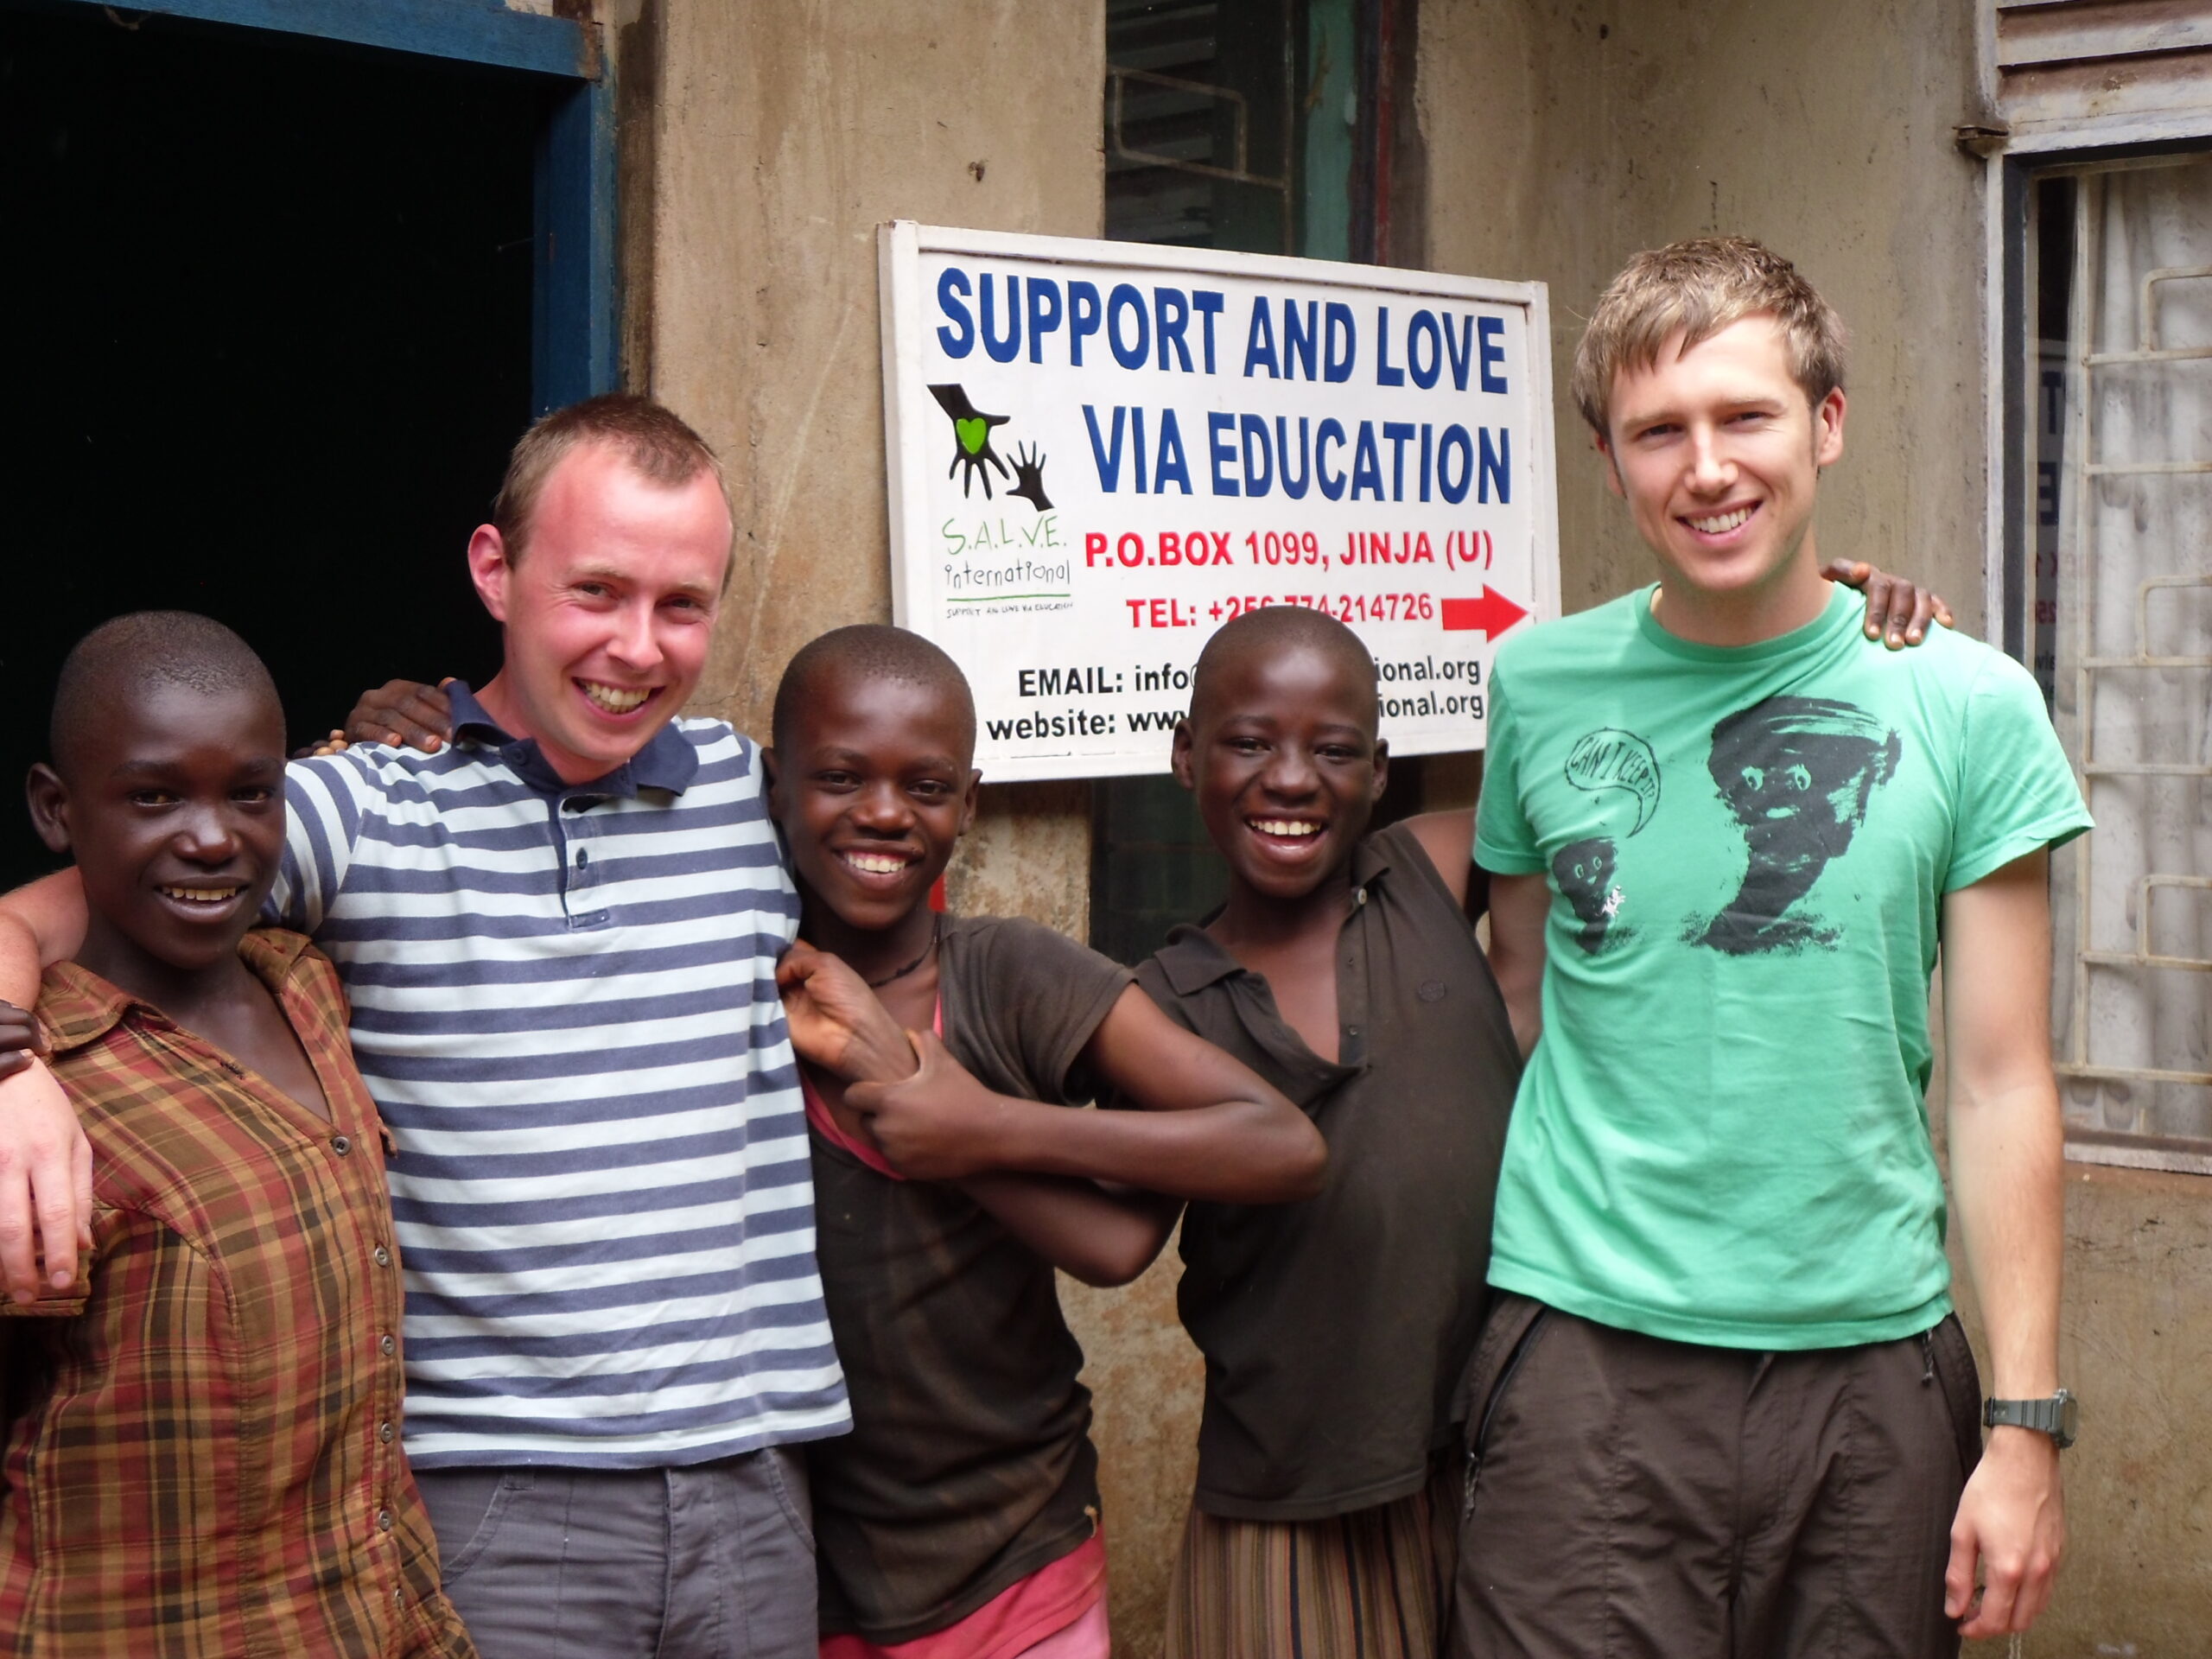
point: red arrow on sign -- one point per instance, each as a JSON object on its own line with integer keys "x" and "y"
{"x": 1493, "y": 614}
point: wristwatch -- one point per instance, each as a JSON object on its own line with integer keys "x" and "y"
{"x": 2059, "y": 1416}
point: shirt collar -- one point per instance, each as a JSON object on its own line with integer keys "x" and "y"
{"x": 668, "y": 761}
{"x": 77, "y": 1007}
{"x": 1191, "y": 959}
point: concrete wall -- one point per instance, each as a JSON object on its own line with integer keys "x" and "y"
{"x": 762, "y": 145}
{"x": 1562, "y": 138}
{"x": 2134, "y": 1344}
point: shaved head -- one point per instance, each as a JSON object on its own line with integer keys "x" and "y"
{"x": 870, "y": 651}
{"x": 1274, "y": 630}
{"x": 118, "y": 662}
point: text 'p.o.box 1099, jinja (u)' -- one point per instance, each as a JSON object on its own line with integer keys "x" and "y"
{"x": 1100, "y": 452}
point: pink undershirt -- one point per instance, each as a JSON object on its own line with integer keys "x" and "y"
{"x": 1057, "y": 1612}
{"x": 825, "y": 1121}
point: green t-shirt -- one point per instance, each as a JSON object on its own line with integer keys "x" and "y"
{"x": 1722, "y": 1137}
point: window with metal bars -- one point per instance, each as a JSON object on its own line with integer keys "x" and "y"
{"x": 2116, "y": 615}
{"x": 1258, "y": 126}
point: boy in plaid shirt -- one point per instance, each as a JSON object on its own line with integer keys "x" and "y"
{"x": 202, "y": 1454}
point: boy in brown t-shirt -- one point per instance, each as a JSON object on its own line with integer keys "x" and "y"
{"x": 960, "y": 1517}
{"x": 199, "y": 1452}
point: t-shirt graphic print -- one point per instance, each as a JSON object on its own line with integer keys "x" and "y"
{"x": 1721, "y": 1137}
{"x": 1797, "y": 774}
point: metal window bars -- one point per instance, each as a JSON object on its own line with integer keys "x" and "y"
{"x": 2142, "y": 1148}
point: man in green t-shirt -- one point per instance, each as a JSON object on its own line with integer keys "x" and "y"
{"x": 1723, "y": 1404}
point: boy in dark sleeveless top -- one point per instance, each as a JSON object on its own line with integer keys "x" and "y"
{"x": 1344, "y": 969}
{"x": 960, "y": 1517}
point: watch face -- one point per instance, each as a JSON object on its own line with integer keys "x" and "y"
{"x": 2070, "y": 1418}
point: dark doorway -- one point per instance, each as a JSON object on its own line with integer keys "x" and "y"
{"x": 271, "y": 307}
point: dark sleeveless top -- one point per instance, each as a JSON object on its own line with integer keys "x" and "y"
{"x": 1335, "y": 1329}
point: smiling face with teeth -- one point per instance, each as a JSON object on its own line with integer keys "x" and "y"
{"x": 873, "y": 789}
{"x": 1719, "y": 454}
{"x": 608, "y": 612}
{"x": 173, "y": 806}
{"x": 1281, "y": 753}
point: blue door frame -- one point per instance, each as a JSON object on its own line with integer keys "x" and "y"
{"x": 574, "y": 303}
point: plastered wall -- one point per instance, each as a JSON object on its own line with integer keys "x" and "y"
{"x": 761, "y": 146}
{"x": 1563, "y": 137}
{"x": 2134, "y": 1343}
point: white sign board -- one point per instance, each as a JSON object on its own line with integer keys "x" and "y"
{"x": 1101, "y": 451}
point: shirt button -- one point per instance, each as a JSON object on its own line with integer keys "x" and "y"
{"x": 383, "y": 1257}
{"x": 383, "y": 1520}
{"x": 385, "y": 1432}
{"x": 399, "y": 1598}
{"x": 386, "y": 1345}
{"x": 341, "y": 1144}
{"x": 583, "y": 860}
{"x": 1359, "y": 897}
{"x": 1351, "y": 1031}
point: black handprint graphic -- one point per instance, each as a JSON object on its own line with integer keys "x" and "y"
{"x": 1029, "y": 469}
{"x": 971, "y": 437}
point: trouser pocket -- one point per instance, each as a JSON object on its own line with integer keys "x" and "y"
{"x": 1950, "y": 1361}
{"x": 466, "y": 1508}
{"x": 1509, "y": 1333}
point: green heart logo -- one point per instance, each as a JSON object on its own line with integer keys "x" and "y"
{"x": 973, "y": 434}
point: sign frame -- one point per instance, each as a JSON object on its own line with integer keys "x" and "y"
{"x": 914, "y": 448}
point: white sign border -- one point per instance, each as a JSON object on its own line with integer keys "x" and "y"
{"x": 900, "y": 244}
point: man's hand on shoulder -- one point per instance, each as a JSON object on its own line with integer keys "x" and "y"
{"x": 46, "y": 1185}
{"x": 2013, "y": 1520}
{"x": 1897, "y": 605}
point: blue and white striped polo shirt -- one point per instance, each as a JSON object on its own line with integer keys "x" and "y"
{"x": 564, "y": 1002}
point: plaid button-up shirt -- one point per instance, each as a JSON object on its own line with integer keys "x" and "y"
{"x": 202, "y": 1456}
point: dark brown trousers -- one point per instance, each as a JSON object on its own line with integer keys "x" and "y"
{"x": 1631, "y": 1498}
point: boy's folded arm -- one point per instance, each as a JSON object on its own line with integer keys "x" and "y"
{"x": 836, "y": 1022}
{"x": 1102, "y": 1238}
{"x": 1208, "y": 1128}
{"x": 45, "y": 1166}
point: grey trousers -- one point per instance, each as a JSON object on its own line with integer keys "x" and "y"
{"x": 1643, "y": 1499}
{"x": 712, "y": 1561}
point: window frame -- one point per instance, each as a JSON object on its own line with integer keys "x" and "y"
{"x": 2021, "y": 141}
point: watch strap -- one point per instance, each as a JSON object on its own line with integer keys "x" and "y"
{"x": 2047, "y": 1416}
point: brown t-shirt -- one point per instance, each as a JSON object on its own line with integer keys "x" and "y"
{"x": 970, "y": 1464}
{"x": 1335, "y": 1329}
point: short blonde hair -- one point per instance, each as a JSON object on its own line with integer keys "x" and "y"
{"x": 651, "y": 437}
{"x": 1697, "y": 289}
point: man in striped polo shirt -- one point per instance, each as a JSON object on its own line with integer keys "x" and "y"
{"x": 559, "y": 936}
